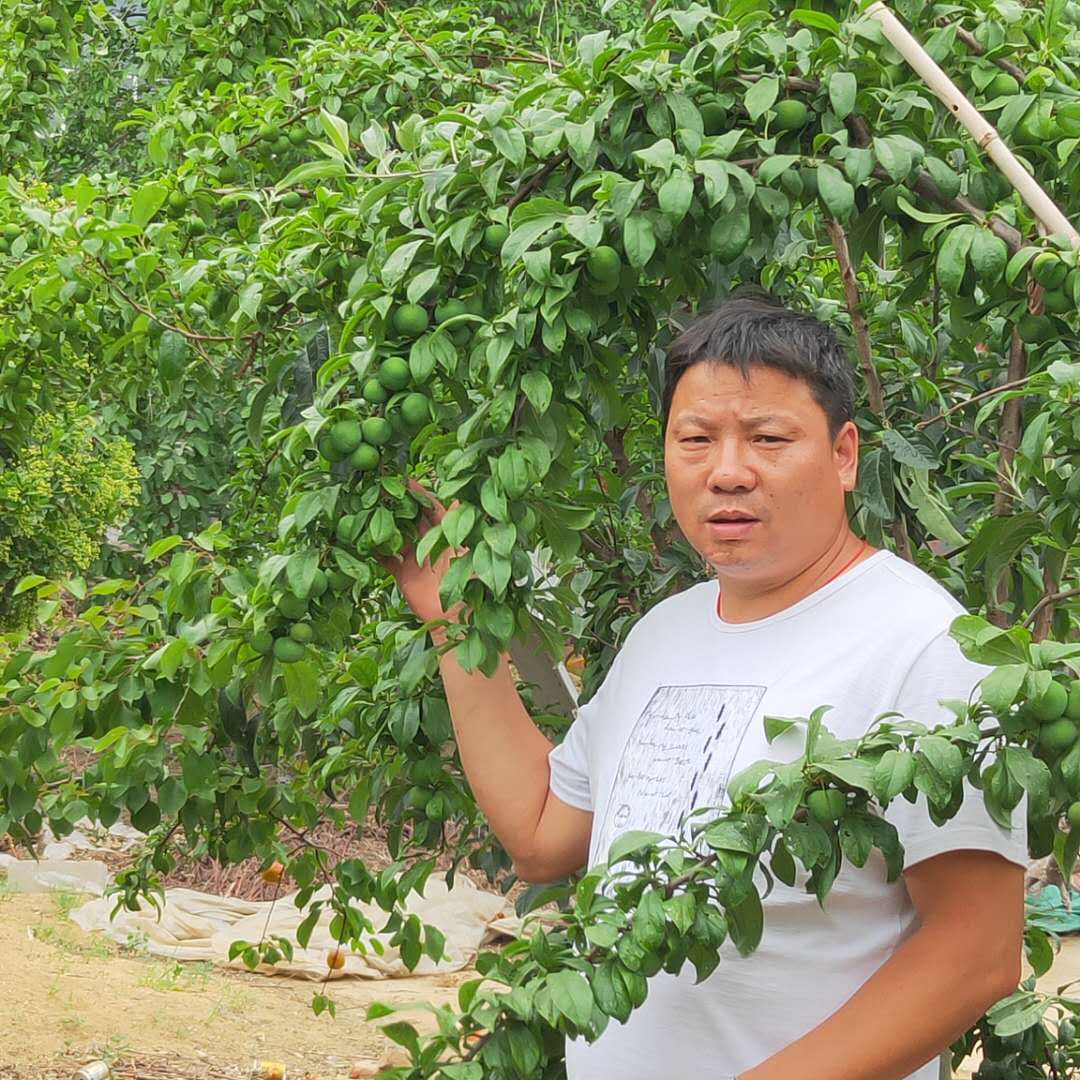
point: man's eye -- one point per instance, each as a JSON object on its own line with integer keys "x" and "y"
{"x": 773, "y": 438}
{"x": 695, "y": 438}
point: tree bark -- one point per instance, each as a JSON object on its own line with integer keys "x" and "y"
{"x": 863, "y": 348}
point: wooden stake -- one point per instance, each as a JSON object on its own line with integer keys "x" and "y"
{"x": 984, "y": 134}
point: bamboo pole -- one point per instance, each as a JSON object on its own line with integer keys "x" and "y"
{"x": 984, "y": 134}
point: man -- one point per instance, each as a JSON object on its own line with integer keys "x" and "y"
{"x": 760, "y": 451}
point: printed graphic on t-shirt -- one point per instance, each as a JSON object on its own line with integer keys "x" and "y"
{"x": 678, "y": 757}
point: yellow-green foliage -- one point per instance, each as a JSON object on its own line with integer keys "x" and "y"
{"x": 58, "y": 495}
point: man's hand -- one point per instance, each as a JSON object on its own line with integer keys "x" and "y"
{"x": 420, "y": 584}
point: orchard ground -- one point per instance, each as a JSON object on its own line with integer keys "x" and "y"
{"x": 67, "y": 997}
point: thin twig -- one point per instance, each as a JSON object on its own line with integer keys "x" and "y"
{"x": 1046, "y": 601}
{"x": 971, "y": 401}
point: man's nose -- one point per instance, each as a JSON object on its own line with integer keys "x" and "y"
{"x": 729, "y": 469}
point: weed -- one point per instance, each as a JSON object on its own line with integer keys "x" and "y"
{"x": 170, "y": 975}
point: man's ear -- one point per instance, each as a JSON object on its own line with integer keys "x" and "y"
{"x": 846, "y": 455}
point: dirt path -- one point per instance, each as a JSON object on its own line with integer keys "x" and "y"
{"x": 67, "y": 997}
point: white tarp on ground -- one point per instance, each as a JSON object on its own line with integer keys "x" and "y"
{"x": 200, "y": 926}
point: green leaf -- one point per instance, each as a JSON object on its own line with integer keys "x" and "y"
{"x": 776, "y": 166}
{"x": 147, "y": 201}
{"x": 906, "y": 452}
{"x": 893, "y": 774}
{"x": 818, "y": 19}
{"x": 172, "y": 795}
{"x": 300, "y": 571}
{"x": 524, "y": 236}
{"x": 572, "y": 996}
{"x": 929, "y": 508}
{"x": 610, "y": 993}
{"x": 836, "y": 193}
{"x": 998, "y": 690}
{"x": 305, "y": 173}
{"x": 337, "y": 131}
{"x": 876, "y": 483}
{"x": 510, "y": 142}
{"x": 998, "y": 541}
{"x": 842, "y": 90}
{"x": 398, "y": 262}
{"x": 631, "y": 842}
{"x": 745, "y": 922}
{"x": 675, "y": 195}
{"x": 1016, "y": 1013}
{"x": 302, "y": 687}
{"x": 30, "y": 582}
{"x": 952, "y": 257}
{"x": 761, "y": 96}
{"x": 717, "y": 179}
{"x": 639, "y": 240}
{"x": 580, "y": 138}
{"x": 536, "y": 386}
{"x": 1018, "y": 261}
{"x": 661, "y": 155}
{"x": 895, "y": 158}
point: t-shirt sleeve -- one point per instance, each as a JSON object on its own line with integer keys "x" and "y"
{"x": 569, "y": 761}
{"x": 942, "y": 672}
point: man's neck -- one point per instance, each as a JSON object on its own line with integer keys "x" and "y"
{"x": 745, "y": 601}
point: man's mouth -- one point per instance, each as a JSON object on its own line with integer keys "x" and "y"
{"x": 725, "y": 516}
{"x": 731, "y": 525}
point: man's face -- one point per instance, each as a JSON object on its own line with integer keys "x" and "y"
{"x": 760, "y": 449}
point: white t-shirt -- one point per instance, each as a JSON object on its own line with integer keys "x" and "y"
{"x": 681, "y": 711}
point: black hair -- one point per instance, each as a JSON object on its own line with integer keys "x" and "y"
{"x": 751, "y": 327}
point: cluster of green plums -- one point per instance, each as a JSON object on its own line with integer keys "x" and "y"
{"x": 293, "y": 624}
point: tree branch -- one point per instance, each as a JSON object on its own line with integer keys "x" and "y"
{"x": 968, "y": 38}
{"x": 1009, "y": 438}
{"x": 923, "y": 183}
{"x": 858, "y": 318}
{"x": 538, "y": 179}
{"x": 1048, "y": 601}
{"x": 866, "y": 360}
{"x": 792, "y": 82}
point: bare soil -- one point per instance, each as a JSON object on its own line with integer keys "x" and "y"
{"x": 67, "y": 998}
